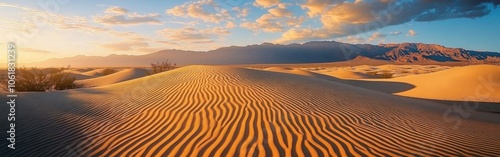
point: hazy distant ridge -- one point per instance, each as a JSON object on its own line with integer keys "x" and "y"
{"x": 266, "y": 53}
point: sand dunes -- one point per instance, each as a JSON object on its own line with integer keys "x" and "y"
{"x": 219, "y": 111}
{"x": 478, "y": 82}
{"x": 123, "y": 75}
{"x": 84, "y": 73}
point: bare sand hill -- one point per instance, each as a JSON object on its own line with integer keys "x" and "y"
{"x": 85, "y": 73}
{"x": 94, "y": 72}
{"x": 220, "y": 111}
{"x": 477, "y": 82}
{"x": 347, "y": 74}
{"x": 123, "y": 75}
{"x": 291, "y": 71}
{"x": 79, "y": 76}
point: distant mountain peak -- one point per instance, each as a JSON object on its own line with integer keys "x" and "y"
{"x": 269, "y": 53}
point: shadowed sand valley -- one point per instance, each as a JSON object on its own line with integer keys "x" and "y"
{"x": 229, "y": 111}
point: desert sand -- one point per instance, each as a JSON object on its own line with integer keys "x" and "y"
{"x": 123, "y": 75}
{"x": 227, "y": 111}
{"x": 84, "y": 73}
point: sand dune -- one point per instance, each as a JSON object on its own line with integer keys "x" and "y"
{"x": 82, "y": 69}
{"x": 219, "y": 111}
{"x": 94, "y": 72}
{"x": 346, "y": 74}
{"x": 120, "y": 76}
{"x": 477, "y": 82}
{"x": 291, "y": 71}
{"x": 84, "y": 73}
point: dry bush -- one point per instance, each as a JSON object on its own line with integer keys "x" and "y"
{"x": 161, "y": 67}
{"x": 41, "y": 80}
{"x": 385, "y": 75}
{"x": 381, "y": 74}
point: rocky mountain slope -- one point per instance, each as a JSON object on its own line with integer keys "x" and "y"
{"x": 267, "y": 53}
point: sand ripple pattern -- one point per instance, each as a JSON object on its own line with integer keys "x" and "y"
{"x": 218, "y": 111}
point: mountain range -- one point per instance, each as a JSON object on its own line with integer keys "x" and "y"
{"x": 268, "y": 53}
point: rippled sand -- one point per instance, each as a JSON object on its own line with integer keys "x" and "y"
{"x": 222, "y": 111}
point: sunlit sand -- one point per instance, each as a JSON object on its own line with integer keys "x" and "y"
{"x": 228, "y": 111}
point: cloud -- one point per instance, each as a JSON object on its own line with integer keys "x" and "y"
{"x": 302, "y": 34}
{"x": 206, "y": 10}
{"x": 120, "y": 16}
{"x": 266, "y": 23}
{"x": 116, "y": 10}
{"x": 380, "y": 36}
{"x": 315, "y": 7}
{"x": 125, "y": 46}
{"x": 395, "y": 33}
{"x": 343, "y": 18}
{"x": 35, "y": 51}
{"x": 266, "y": 3}
{"x": 276, "y": 20}
{"x": 376, "y": 35}
{"x": 193, "y": 35}
{"x": 352, "y": 39}
{"x": 411, "y": 33}
{"x": 241, "y": 12}
{"x": 280, "y": 11}
{"x": 230, "y": 25}
{"x": 39, "y": 19}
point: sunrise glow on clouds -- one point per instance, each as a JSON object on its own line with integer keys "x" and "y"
{"x": 96, "y": 28}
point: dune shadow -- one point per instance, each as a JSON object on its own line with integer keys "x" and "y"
{"x": 493, "y": 107}
{"x": 382, "y": 86}
{"x": 46, "y": 123}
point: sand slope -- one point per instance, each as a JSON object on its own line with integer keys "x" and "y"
{"x": 94, "y": 72}
{"x": 218, "y": 111}
{"x": 346, "y": 74}
{"x": 120, "y": 76}
{"x": 477, "y": 82}
{"x": 81, "y": 74}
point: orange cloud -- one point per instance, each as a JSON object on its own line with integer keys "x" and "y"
{"x": 280, "y": 11}
{"x": 193, "y": 35}
{"x": 125, "y": 46}
{"x": 315, "y": 7}
{"x": 120, "y": 16}
{"x": 198, "y": 10}
{"x": 266, "y": 3}
{"x": 35, "y": 51}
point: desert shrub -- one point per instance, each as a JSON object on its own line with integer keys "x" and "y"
{"x": 381, "y": 74}
{"x": 159, "y": 67}
{"x": 41, "y": 80}
{"x": 108, "y": 71}
{"x": 385, "y": 75}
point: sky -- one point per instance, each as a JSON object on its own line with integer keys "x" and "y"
{"x": 44, "y": 29}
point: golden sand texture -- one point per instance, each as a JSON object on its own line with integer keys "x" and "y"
{"x": 85, "y": 73}
{"x": 221, "y": 111}
{"x": 477, "y": 82}
{"x": 123, "y": 75}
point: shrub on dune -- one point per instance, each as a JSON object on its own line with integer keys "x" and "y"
{"x": 159, "y": 67}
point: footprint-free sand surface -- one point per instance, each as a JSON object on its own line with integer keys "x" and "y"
{"x": 123, "y": 75}
{"x": 222, "y": 111}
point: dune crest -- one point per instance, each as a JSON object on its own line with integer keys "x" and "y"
{"x": 123, "y": 75}
{"x": 476, "y": 82}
